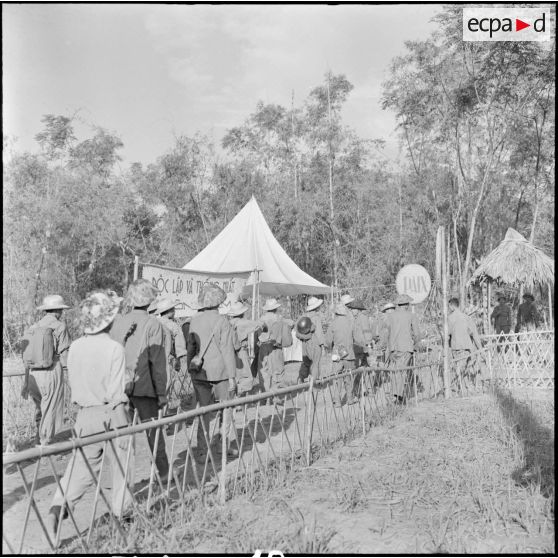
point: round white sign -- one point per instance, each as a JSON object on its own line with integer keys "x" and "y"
{"x": 413, "y": 280}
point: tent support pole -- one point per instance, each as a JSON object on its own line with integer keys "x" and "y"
{"x": 254, "y": 295}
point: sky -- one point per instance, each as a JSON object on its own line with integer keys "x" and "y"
{"x": 152, "y": 72}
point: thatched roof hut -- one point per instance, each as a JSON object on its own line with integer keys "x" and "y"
{"x": 515, "y": 262}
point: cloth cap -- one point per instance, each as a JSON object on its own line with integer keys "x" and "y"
{"x": 403, "y": 299}
{"x": 165, "y": 304}
{"x": 313, "y": 303}
{"x": 237, "y": 308}
{"x": 388, "y": 306}
{"x": 52, "y": 302}
{"x": 141, "y": 293}
{"x": 357, "y": 304}
{"x": 211, "y": 296}
{"x": 271, "y": 304}
{"x": 346, "y": 299}
{"x": 98, "y": 310}
{"x": 340, "y": 309}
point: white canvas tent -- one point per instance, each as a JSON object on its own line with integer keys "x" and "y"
{"x": 247, "y": 243}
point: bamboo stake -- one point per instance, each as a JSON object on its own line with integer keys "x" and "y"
{"x": 136, "y": 267}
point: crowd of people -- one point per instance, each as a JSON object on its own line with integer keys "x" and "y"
{"x": 133, "y": 350}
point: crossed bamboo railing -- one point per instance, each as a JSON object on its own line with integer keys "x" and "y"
{"x": 296, "y": 425}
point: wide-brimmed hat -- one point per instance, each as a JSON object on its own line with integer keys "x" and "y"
{"x": 340, "y": 309}
{"x": 403, "y": 299}
{"x": 313, "y": 303}
{"x": 98, "y": 310}
{"x": 388, "y": 306}
{"x": 52, "y": 302}
{"x": 271, "y": 304}
{"x": 347, "y": 299}
{"x": 140, "y": 293}
{"x": 166, "y": 304}
{"x": 528, "y": 295}
{"x": 357, "y": 304}
{"x": 237, "y": 308}
{"x": 211, "y": 296}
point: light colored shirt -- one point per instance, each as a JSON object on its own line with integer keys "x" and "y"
{"x": 402, "y": 331}
{"x": 97, "y": 370}
{"x": 461, "y": 329}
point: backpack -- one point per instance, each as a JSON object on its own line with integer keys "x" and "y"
{"x": 39, "y": 352}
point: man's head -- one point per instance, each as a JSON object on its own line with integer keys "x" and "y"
{"x": 528, "y": 297}
{"x": 388, "y": 308}
{"x": 356, "y": 306}
{"x": 141, "y": 293}
{"x": 166, "y": 307}
{"x": 403, "y": 301}
{"x": 53, "y": 304}
{"x": 211, "y": 296}
{"x": 271, "y": 305}
{"x": 98, "y": 311}
{"x": 453, "y": 304}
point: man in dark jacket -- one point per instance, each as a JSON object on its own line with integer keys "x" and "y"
{"x": 142, "y": 336}
{"x": 311, "y": 349}
{"x": 210, "y": 343}
{"x": 527, "y": 314}
{"x": 340, "y": 337}
{"x": 501, "y": 316}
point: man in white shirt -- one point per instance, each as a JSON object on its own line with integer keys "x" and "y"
{"x": 97, "y": 379}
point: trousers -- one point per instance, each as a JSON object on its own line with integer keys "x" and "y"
{"x": 46, "y": 389}
{"x": 208, "y": 393}
{"x": 401, "y": 381}
{"x": 343, "y": 387}
{"x": 77, "y": 479}
{"x": 148, "y": 409}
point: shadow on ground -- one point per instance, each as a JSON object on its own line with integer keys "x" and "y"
{"x": 537, "y": 440}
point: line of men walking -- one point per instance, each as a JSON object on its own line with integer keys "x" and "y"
{"x": 128, "y": 363}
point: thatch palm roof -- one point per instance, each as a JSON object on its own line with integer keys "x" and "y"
{"x": 516, "y": 262}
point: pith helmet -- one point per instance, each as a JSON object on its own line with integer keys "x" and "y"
{"x": 141, "y": 292}
{"x": 211, "y": 296}
{"x": 313, "y": 303}
{"x": 52, "y": 302}
{"x": 403, "y": 299}
{"x": 357, "y": 304}
{"x": 271, "y": 304}
{"x": 165, "y": 304}
{"x": 388, "y": 306}
{"x": 347, "y": 299}
{"x": 340, "y": 309}
{"x": 237, "y": 309}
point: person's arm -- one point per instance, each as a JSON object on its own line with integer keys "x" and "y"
{"x": 179, "y": 343}
{"x": 474, "y": 334}
{"x": 316, "y": 358}
{"x": 117, "y": 379}
{"x": 157, "y": 360}
{"x": 329, "y": 337}
{"x": 63, "y": 344}
{"x": 226, "y": 347}
{"x": 191, "y": 346}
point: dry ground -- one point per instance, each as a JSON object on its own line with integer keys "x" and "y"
{"x": 472, "y": 475}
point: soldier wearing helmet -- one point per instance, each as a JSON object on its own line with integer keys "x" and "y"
{"x": 311, "y": 349}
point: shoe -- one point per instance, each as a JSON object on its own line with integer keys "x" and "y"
{"x": 352, "y": 401}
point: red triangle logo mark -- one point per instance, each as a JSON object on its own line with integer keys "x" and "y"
{"x": 519, "y": 25}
